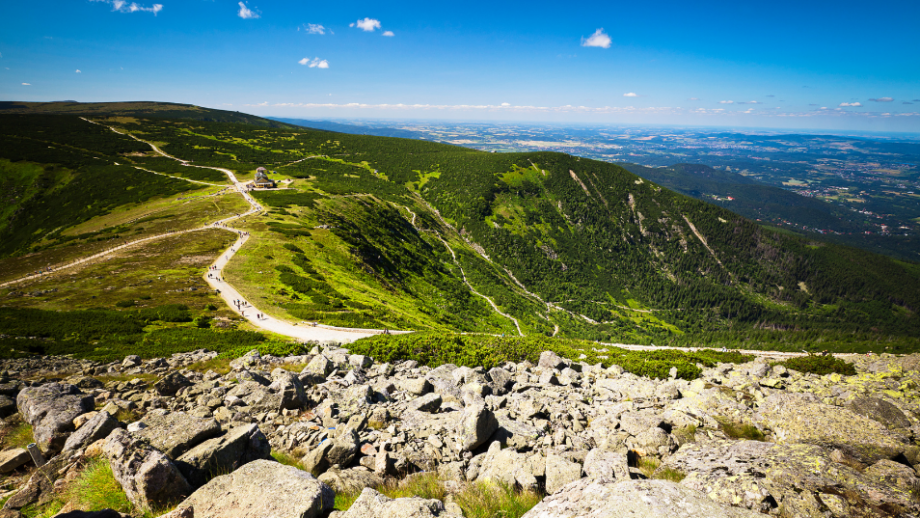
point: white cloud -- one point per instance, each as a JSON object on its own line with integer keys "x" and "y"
{"x": 749, "y": 102}
{"x": 631, "y": 94}
{"x": 122, "y": 6}
{"x": 882, "y": 100}
{"x": 506, "y": 104}
{"x": 313, "y": 28}
{"x": 726, "y": 102}
{"x": 26, "y": 84}
{"x": 598, "y": 39}
{"x": 245, "y": 12}
{"x": 854, "y": 105}
{"x": 388, "y": 33}
{"x": 78, "y": 71}
{"x": 367, "y": 24}
{"x": 314, "y": 63}
{"x": 694, "y": 99}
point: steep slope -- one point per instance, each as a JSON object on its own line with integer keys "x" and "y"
{"x": 376, "y": 231}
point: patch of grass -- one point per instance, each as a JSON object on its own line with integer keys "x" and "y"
{"x": 127, "y": 416}
{"x": 43, "y": 511}
{"x": 218, "y": 365}
{"x": 288, "y": 459}
{"x": 17, "y": 434}
{"x": 669, "y": 474}
{"x": 648, "y": 465}
{"x": 737, "y": 430}
{"x": 95, "y": 488}
{"x": 486, "y": 500}
{"x": 147, "y": 378}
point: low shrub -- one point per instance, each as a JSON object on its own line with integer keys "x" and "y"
{"x": 125, "y": 304}
{"x": 820, "y": 365}
{"x": 488, "y": 351}
{"x": 95, "y": 488}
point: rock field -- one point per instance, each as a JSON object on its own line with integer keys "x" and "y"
{"x": 740, "y": 441}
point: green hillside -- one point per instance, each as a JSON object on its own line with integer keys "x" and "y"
{"x": 397, "y": 233}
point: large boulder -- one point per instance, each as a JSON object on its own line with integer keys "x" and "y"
{"x": 632, "y": 498}
{"x": 350, "y": 480}
{"x": 475, "y": 425}
{"x": 174, "y": 433}
{"x": 171, "y": 384}
{"x": 800, "y": 478}
{"x": 98, "y": 427}
{"x": 560, "y": 472}
{"x": 224, "y": 454}
{"x": 148, "y": 477}
{"x": 504, "y": 466}
{"x": 289, "y": 388}
{"x": 606, "y": 466}
{"x": 372, "y": 504}
{"x": 51, "y": 409}
{"x": 261, "y": 488}
{"x": 880, "y": 410}
{"x": 793, "y": 419}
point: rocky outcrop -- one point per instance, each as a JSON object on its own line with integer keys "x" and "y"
{"x": 261, "y": 488}
{"x": 224, "y": 454}
{"x": 97, "y": 427}
{"x": 174, "y": 433}
{"x": 148, "y": 477}
{"x": 13, "y": 458}
{"x": 633, "y": 498}
{"x": 51, "y": 409}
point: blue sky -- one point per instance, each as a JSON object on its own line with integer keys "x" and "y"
{"x": 789, "y": 64}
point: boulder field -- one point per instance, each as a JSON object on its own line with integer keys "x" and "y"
{"x": 740, "y": 441}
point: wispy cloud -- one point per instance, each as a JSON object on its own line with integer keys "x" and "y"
{"x": 388, "y": 34}
{"x": 882, "y": 100}
{"x": 694, "y": 99}
{"x": 123, "y": 6}
{"x": 26, "y": 84}
{"x": 749, "y": 102}
{"x": 726, "y": 102}
{"x": 246, "y": 13}
{"x": 852, "y": 105}
{"x": 314, "y": 63}
{"x": 598, "y": 39}
{"x": 631, "y": 94}
{"x": 906, "y": 102}
{"x": 367, "y": 24}
{"x": 313, "y": 28}
{"x": 771, "y": 96}
{"x": 78, "y": 71}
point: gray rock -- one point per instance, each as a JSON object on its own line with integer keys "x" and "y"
{"x": 416, "y": 387}
{"x": 319, "y": 366}
{"x": 13, "y": 458}
{"x": 224, "y": 454}
{"x": 350, "y": 480}
{"x": 289, "y": 388}
{"x": 505, "y": 466}
{"x": 171, "y": 383}
{"x": 632, "y": 499}
{"x": 372, "y": 504}
{"x": 606, "y": 466}
{"x": 560, "y": 472}
{"x": 879, "y": 410}
{"x": 7, "y": 406}
{"x": 551, "y": 360}
{"x": 174, "y": 433}
{"x": 262, "y": 488}
{"x": 475, "y": 425}
{"x": 148, "y": 477}
{"x": 98, "y": 427}
{"x": 427, "y": 403}
{"x": 51, "y": 409}
{"x": 792, "y": 419}
{"x": 360, "y": 361}
{"x": 344, "y": 448}
{"x": 132, "y": 360}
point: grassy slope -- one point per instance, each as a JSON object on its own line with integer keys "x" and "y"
{"x": 615, "y": 256}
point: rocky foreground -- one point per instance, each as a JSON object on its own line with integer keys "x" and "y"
{"x": 742, "y": 440}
